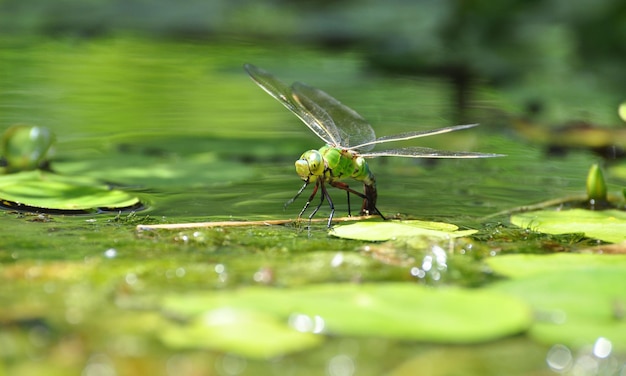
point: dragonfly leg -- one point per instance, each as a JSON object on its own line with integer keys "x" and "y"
{"x": 369, "y": 198}
{"x": 308, "y": 202}
{"x": 298, "y": 195}
{"x": 330, "y": 203}
{"x": 318, "y": 205}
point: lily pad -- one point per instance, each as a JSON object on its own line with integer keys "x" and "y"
{"x": 577, "y": 298}
{"x": 382, "y": 231}
{"x": 516, "y": 266}
{"x": 514, "y": 357}
{"x": 49, "y": 191}
{"x": 393, "y": 310}
{"x": 246, "y": 333}
{"x": 605, "y": 225}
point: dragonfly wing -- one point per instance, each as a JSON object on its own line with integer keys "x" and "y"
{"x": 353, "y": 130}
{"x": 318, "y": 123}
{"x": 420, "y": 152}
{"x": 414, "y": 134}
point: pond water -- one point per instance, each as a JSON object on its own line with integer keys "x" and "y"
{"x": 183, "y": 126}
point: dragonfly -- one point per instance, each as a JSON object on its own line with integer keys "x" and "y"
{"x": 349, "y": 140}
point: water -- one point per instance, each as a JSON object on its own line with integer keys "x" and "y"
{"x": 185, "y": 105}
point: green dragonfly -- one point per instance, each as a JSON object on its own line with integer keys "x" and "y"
{"x": 349, "y": 140}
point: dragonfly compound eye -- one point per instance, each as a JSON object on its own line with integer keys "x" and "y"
{"x": 310, "y": 165}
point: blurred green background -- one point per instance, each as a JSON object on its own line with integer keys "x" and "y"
{"x": 538, "y": 47}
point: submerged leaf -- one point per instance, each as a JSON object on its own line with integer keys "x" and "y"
{"x": 606, "y": 225}
{"x": 381, "y": 231}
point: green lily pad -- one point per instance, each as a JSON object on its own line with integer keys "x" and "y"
{"x": 44, "y": 190}
{"x": 393, "y": 310}
{"x": 516, "y": 266}
{"x": 605, "y": 225}
{"x": 512, "y": 357}
{"x": 382, "y": 231}
{"x": 577, "y": 298}
{"x": 246, "y": 333}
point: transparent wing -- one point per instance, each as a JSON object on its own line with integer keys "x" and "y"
{"x": 320, "y": 123}
{"x": 354, "y": 131}
{"x": 339, "y": 125}
{"x": 419, "y": 152}
{"x": 411, "y": 135}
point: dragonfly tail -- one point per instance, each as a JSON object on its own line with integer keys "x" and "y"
{"x": 369, "y": 201}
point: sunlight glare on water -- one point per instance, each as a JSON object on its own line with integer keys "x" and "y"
{"x": 592, "y": 360}
{"x": 306, "y": 324}
{"x": 602, "y": 348}
{"x": 559, "y": 358}
{"x": 110, "y": 253}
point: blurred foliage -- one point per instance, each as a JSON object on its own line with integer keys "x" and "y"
{"x": 540, "y": 44}
{"x": 497, "y": 39}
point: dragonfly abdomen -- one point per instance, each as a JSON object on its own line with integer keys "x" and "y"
{"x": 343, "y": 163}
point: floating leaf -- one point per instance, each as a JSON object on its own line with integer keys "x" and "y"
{"x": 381, "y": 231}
{"x": 577, "y": 297}
{"x": 43, "y": 190}
{"x": 606, "y": 225}
{"x": 508, "y": 357}
{"x": 516, "y": 266}
{"x": 393, "y": 310}
{"x": 247, "y": 333}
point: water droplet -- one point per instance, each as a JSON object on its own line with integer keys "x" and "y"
{"x": 559, "y": 358}
{"x": 230, "y": 365}
{"x": 341, "y": 365}
{"x": 306, "y": 324}
{"x": 602, "y": 348}
{"x": 337, "y": 260}
{"x": 180, "y": 272}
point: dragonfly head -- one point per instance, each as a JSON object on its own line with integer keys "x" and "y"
{"x": 310, "y": 166}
